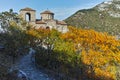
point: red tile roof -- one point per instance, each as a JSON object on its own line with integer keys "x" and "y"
{"x": 27, "y": 9}
{"x": 47, "y": 12}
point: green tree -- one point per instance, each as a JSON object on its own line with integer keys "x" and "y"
{"x": 14, "y": 36}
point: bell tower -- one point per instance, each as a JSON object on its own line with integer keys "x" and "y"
{"x": 28, "y": 14}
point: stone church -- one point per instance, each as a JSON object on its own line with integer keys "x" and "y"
{"x": 47, "y": 20}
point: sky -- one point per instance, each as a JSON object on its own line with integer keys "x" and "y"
{"x": 61, "y": 8}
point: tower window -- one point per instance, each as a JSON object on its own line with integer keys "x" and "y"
{"x": 47, "y": 27}
{"x": 28, "y": 17}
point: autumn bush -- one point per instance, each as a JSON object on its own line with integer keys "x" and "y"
{"x": 80, "y": 54}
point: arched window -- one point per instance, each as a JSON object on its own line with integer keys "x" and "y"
{"x": 41, "y": 18}
{"x": 47, "y": 27}
{"x": 28, "y": 17}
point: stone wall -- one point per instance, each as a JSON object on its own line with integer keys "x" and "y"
{"x": 51, "y": 24}
{"x": 46, "y": 16}
{"x": 37, "y": 26}
{"x": 47, "y": 20}
{"x": 32, "y": 15}
{"x": 62, "y": 28}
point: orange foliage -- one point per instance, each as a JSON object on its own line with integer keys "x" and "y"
{"x": 38, "y": 33}
{"x": 98, "y": 50}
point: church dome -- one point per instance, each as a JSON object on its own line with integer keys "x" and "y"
{"x": 47, "y": 12}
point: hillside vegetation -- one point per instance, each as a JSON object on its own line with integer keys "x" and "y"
{"x": 79, "y": 54}
{"x": 104, "y": 17}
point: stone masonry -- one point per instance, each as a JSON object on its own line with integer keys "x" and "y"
{"x": 47, "y": 20}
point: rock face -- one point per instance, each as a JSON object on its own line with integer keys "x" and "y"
{"x": 26, "y": 66}
{"x": 112, "y": 7}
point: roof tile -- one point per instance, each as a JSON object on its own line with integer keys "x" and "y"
{"x": 27, "y": 9}
{"x": 47, "y": 12}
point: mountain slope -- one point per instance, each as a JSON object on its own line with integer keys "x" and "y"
{"x": 104, "y": 17}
